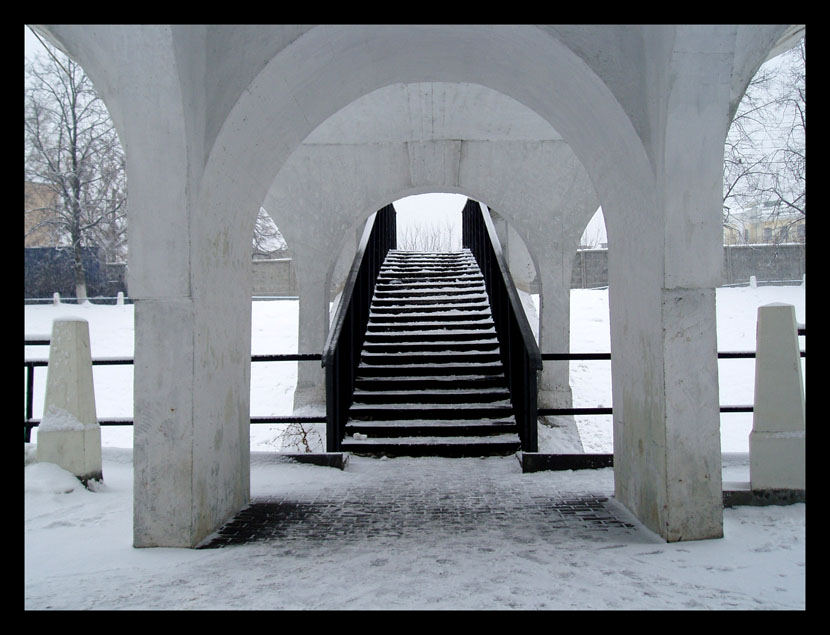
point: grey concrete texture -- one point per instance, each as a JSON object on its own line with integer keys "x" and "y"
{"x": 220, "y": 120}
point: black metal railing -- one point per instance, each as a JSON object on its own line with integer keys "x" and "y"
{"x": 344, "y": 384}
{"x": 519, "y": 351}
{"x": 341, "y": 353}
{"x": 30, "y": 364}
{"x": 607, "y": 356}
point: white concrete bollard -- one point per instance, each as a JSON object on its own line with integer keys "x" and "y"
{"x": 56, "y": 298}
{"x": 753, "y": 282}
{"x": 120, "y": 299}
{"x": 777, "y": 443}
{"x": 69, "y": 434}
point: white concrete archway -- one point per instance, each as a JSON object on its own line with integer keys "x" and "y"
{"x": 210, "y": 114}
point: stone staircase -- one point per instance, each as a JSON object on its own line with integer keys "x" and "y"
{"x": 430, "y": 381}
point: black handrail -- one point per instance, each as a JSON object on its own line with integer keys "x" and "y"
{"x": 341, "y": 353}
{"x": 602, "y": 410}
{"x": 519, "y": 351}
{"x": 30, "y": 366}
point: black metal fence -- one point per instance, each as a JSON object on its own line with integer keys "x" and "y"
{"x": 30, "y": 365}
{"x": 341, "y": 353}
{"x": 607, "y": 356}
{"x": 30, "y": 422}
{"x": 519, "y": 351}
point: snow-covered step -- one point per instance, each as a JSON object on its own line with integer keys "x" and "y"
{"x": 406, "y": 358}
{"x": 442, "y": 303}
{"x": 393, "y": 412}
{"x": 430, "y": 382}
{"x": 402, "y": 336}
{"x": 383, "y": 298}
{"x": 392, "y": 326}
{"x": 430, "y": 379}
{"x": 499, "y": 396}
{"x": 435, "y": 347}
{"x": 446, "y": 289}
{"x": 449, "y": 285}
{"x": 428, "y": 316}
{"x": 455, "y": 447}
{"x": 432, "y": 370}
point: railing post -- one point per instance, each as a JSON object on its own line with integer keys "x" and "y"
{"x": 519, "y": 351}
{"x": 341, "y": 354}
{"x": 30, "y": 396}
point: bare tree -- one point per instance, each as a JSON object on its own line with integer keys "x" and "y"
{"x": 764, "y": 157}
{"x": 71, "y": 148}
{"x": 436, "y": 236}
{"x": 267, "y": 237}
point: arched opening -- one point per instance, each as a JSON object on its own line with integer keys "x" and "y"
{"x": 764, "y": 224}
{"x": 590, "y": 333}
{"x": 217, "y": 161}
{"x": 75, "y": 182}
{"x": 429, "y": 222}
{"x": 75, "y": 225}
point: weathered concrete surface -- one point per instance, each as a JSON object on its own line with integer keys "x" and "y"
{"x": 274, "y": 277}
{"x": 69, "y": 434}
{"x": 210, "y": 116}
{"x": 778, "y": 441}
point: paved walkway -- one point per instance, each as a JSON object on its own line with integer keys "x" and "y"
{"x": 405, "y": 497}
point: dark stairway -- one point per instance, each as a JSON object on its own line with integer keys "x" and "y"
{"x": 430, "y": 380}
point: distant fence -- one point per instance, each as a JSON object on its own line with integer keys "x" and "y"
{"x": 768, "y": 263}
{"x": 48, "y": 270}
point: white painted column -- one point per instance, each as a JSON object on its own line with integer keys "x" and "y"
{"x": 777, "y": 443}
{"x": 69, "y": 434}
{"x": 310, "y": 392}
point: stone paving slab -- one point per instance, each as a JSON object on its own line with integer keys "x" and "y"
{"x": 406, "y": 498}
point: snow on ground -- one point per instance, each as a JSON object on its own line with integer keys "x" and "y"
{"x": 78, "y": 552}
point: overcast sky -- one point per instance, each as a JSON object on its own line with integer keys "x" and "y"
{"x": 31, "y": 46}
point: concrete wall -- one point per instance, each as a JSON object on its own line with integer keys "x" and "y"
{"x": 768, "y": 263}
{"x": 48, "y": 270}
{"x": 590, "y": 269}
{"x": 273, "y": 277}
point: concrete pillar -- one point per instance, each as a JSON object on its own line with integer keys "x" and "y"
{"x": 69, "y": 434}
{"x": 777, "y": 443}
{"x": 163, "y": 413}
{"x": 313, "y": 314}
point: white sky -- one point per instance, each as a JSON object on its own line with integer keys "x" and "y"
{"x": 31, "y": 46}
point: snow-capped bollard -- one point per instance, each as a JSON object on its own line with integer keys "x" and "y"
{"x": 69, "y": 434}
{"x": 753, "y": 282}
{"x": 120, "y": 299}
{"x": 777, "y": 443}
{"x": 56, "y": 298}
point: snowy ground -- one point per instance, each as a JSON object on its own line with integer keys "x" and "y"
{"x": 78, "y": 552}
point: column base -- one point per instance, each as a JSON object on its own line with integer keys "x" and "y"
{"x": 777, "y": 460}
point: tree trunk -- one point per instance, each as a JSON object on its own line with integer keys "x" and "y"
{"x": 80, "y": 276}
